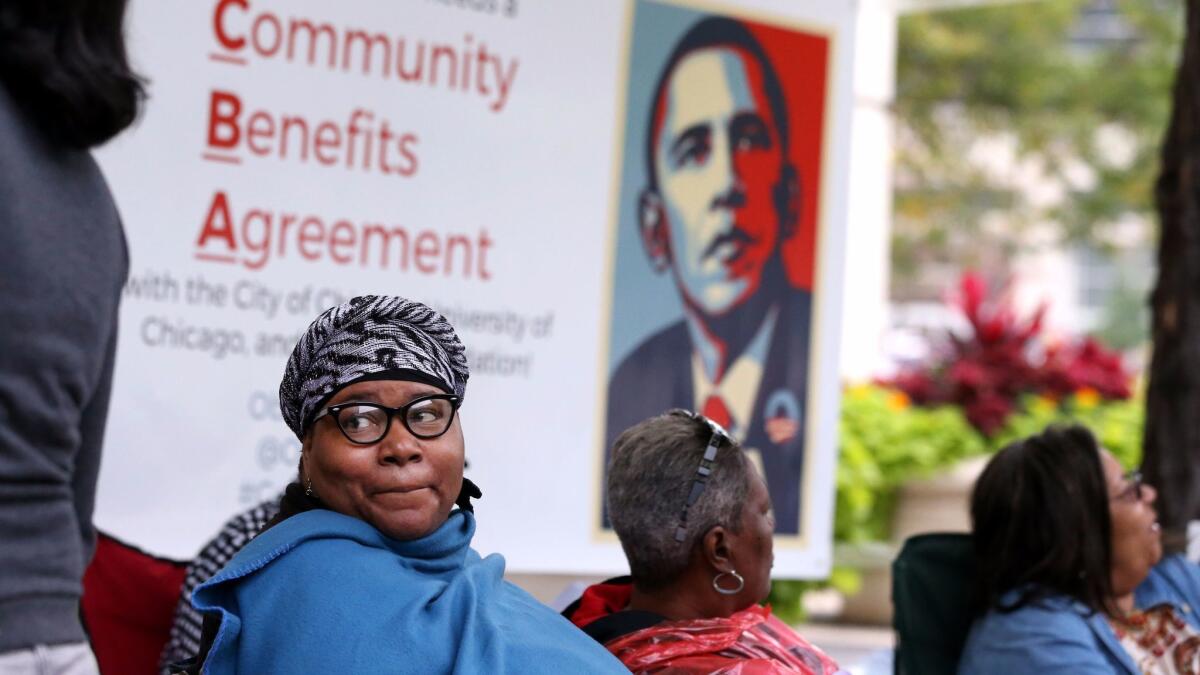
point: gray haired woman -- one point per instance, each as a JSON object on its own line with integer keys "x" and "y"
{"x": 695, "y": 522}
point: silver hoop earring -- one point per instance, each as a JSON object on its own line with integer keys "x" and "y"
{"x": 308, "y": 488}
{"x": 741, "y": 583}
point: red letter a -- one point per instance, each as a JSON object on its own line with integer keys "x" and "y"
{"x": 218, "y": 223}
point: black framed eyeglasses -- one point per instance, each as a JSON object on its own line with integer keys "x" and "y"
{"x": 1134, "y": 487}
{"x": 366, "y": 423}
{"x": 719, "y": 435}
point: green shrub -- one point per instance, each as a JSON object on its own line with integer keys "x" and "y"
{"x": 1117, "y": 424}
{"x": 885, "y": 441}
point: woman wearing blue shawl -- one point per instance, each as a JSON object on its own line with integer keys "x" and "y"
{"x": 368, "y": 567}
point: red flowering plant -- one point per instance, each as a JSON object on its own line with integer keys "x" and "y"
{"x": 1004, "y": 358}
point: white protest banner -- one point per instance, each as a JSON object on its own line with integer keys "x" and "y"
{"x": 502, "y": 161}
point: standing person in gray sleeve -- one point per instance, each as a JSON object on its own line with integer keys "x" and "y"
{"x": 65, "y": 87}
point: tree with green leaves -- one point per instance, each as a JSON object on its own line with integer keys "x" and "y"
{"x": 1025, "y": 124}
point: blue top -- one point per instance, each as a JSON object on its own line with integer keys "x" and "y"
{"x": 1061, "y": 635}
{"x": 326, "y": 593}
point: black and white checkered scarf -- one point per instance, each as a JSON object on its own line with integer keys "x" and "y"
{"x": 184, "y": 641}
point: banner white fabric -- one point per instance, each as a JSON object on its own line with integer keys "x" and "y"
{"x": 489, "y": 158}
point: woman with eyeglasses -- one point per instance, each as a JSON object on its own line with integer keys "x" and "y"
{"x": 695, "y": 522}
{"x": 1070, "y": 576}
{"x": 368, "y": 566}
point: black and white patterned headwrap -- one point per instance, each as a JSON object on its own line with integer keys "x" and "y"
{"x": 369, "y": 335}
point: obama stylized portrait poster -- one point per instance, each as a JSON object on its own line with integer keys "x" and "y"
{"x": 719, "y": 221}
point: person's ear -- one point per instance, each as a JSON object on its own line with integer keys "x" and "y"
{"x": 716, "y": 549}
{"x": 787, "y": 201}
{"x": 652, "y": 225}
{"x": 305, "y": 447}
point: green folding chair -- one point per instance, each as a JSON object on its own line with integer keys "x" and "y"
{"x": 931, "y": 587}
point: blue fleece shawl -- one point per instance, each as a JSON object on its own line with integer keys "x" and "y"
{"x": 326, "y": 593}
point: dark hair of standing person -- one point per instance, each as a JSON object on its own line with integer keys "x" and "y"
{"x": 1041, "y": 523}
{"x": 64, "y": 63}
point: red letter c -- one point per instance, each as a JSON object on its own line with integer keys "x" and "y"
{"x": 232, "y": 44}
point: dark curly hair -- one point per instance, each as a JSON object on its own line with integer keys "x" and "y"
{"x": 64, "y": 62}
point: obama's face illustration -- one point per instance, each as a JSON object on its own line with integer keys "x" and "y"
{"x": 716, "y": 217}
